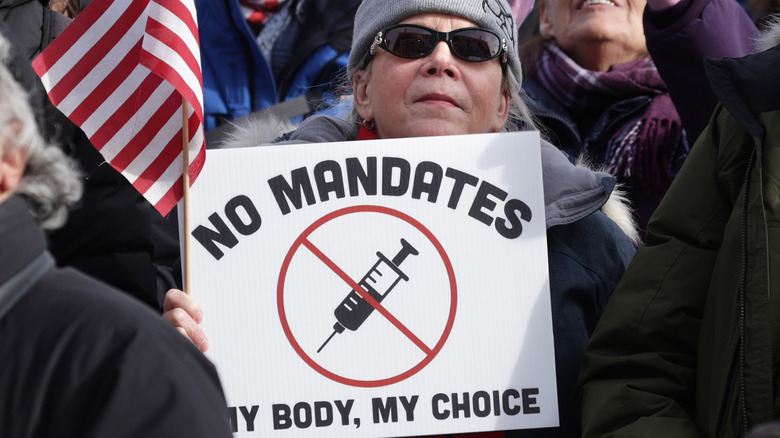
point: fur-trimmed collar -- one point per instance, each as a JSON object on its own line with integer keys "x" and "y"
{"x": 770, "y": 36}
{"x": 253, "y": 130}
{"x": 618, "y": 206}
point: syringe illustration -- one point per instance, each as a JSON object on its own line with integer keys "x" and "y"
{"x": 378, "y": 282}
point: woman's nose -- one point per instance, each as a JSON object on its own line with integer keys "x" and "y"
{"x": 441, "y": 61}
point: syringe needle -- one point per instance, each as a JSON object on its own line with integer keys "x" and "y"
{"x": 327, "y": 340}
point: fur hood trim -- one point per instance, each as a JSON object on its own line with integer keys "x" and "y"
{"x": 618, "y": 205}
{"x": 253, "y": 130}
{"x": 770, "y": 36}
{"x": 618, "y": 208}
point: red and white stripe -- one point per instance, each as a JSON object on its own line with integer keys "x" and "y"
{"x": 120, "y": 71}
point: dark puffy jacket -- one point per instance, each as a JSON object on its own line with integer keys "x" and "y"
{"x": 689, "y": 345}
{"x": 81, "y": 359}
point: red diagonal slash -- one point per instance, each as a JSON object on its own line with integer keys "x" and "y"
{"x": 366, "y": 296}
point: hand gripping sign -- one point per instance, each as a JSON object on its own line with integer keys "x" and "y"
{"x": 377, "y": 288}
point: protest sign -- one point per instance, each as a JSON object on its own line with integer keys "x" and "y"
{"x": 377, "y": 288}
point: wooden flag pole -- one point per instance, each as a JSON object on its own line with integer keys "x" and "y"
{"x": 185, "y": 112}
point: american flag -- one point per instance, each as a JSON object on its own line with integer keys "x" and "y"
{"x": 122, "y": 71}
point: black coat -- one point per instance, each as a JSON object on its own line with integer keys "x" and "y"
{"x": 81, "y": 359}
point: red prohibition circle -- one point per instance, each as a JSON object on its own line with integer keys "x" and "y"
{"x": 283, "y": 275}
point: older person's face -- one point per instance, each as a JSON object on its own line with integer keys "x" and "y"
{"x": 439, "y": 94}
{"x": 12, "y": 164}
{"x": 595, "y": 33}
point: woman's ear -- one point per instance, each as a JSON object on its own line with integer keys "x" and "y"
{"x": 360, "y": 81}
{"x": 546, "y": 28}
{"x": 502, "y": 114}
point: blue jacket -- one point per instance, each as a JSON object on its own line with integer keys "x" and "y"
{"x": 238, "y": 79}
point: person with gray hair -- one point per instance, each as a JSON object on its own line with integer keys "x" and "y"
{"x": 443, "y": 67}
{"x": 80, "y": 358}
{"x": 113, "y": 233}
{"x": 50, "y": 183}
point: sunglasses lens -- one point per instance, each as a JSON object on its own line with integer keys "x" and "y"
{"x": 409, "y": 42}
{"x": 475, "y": 45}
{"x": 470, "y": 44}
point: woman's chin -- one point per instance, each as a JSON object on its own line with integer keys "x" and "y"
{"x": 429, "y": 129}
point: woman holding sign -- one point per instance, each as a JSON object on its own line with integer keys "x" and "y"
{"x": 443, "y": 67}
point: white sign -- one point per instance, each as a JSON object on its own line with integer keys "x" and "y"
{"x": 377, "y": 288}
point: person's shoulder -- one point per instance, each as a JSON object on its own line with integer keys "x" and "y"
{"x": 58, "y": 24}
{"x": 594, "y": 237}
{"x": 321, "y": 129}
{"x": 90, "y": 326}
{"x": 264, "y": 128}
{"x": 102, "y": 326}
{"x": 587, "y": 258}
{"x": 571, "y": 191}
{"x": 593, "y": 247}
{"x": 94, "y": 312}
{"x": 86, "y": 338}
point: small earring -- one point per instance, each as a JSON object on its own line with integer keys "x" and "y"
{"x": 368, "y": 124}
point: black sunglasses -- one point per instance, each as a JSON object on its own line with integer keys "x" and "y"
{"x": 412, "y": 41}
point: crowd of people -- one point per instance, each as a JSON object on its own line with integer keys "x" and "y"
{"x": 663, "y": 294}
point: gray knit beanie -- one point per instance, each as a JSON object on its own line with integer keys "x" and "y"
{"x": 375, "y": 15}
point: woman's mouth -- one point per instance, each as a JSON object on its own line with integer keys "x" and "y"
{"x": 437, "y": 99}
{"x": 597, "y": 2}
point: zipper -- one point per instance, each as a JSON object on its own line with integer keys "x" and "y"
{"x": 728, "y": 392}
{"x": 742, "y": 288}
{"x": 738, "y": 360}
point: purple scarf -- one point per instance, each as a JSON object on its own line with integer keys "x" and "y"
{"x": 646, "y": 150}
